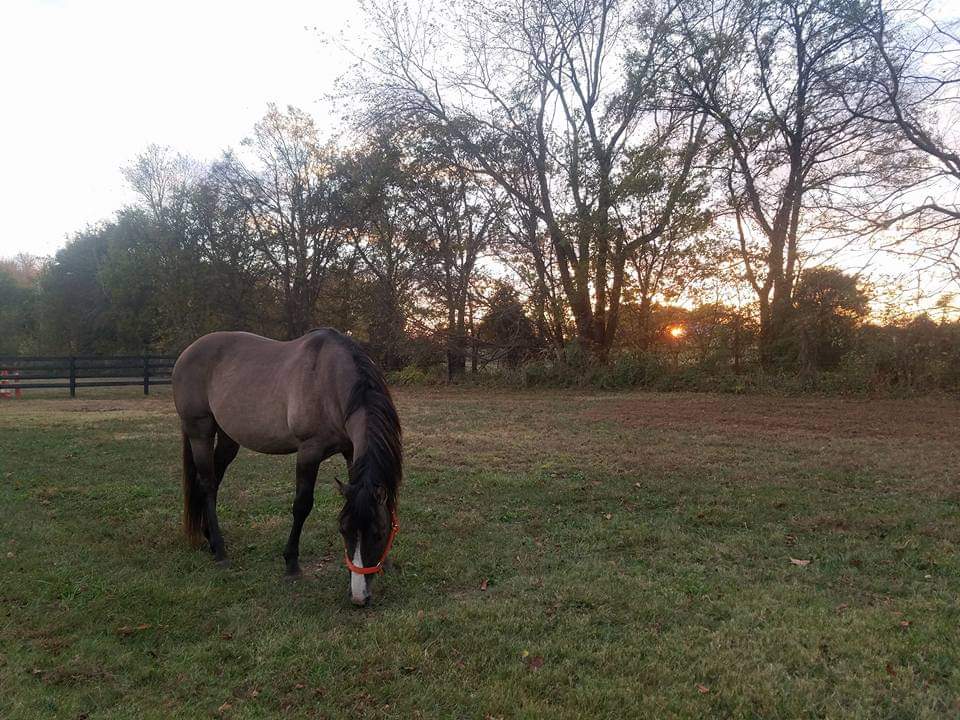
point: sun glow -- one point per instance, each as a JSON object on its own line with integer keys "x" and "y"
{"x": 677, "y": 331}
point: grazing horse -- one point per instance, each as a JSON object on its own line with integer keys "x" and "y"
{"x": 315, "y": 396}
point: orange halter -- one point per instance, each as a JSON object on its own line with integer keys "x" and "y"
{"x": 378, "y": 568}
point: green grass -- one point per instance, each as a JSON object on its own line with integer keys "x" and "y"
{"x": 636, "y": 550}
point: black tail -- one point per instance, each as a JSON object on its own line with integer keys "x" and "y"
{"x": 194, "y": 518}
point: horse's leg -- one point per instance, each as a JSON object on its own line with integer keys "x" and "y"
{"x": 203, "y": 457}
{"x": 307, "y": 466}
{"x": 226, "y": 451}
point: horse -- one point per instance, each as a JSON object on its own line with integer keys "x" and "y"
{"x": 315, "y": 396}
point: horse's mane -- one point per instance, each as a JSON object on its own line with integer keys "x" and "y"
{"x": 379, "y": 469}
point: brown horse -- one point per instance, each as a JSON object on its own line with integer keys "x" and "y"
{"x": 315, "y": 396}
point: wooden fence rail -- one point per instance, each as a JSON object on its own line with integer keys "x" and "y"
{"x": 34, "y": 372}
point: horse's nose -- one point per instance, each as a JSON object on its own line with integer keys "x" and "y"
{"x": 360, "y": 601}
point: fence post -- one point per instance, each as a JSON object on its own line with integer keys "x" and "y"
{"x": 146, "y": 374}
{"x": 73, "y": 376}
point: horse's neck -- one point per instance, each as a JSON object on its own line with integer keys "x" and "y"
{"x": 356, "y": 427}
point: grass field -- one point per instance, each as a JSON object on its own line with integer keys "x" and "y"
{"x": 561, "y": 555}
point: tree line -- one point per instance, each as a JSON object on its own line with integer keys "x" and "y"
{"x": 529, "y": 176}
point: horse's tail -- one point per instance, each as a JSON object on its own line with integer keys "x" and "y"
{"x": 194, "y": 520}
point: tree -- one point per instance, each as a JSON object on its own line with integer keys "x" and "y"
{"x": 461, "y": 215}
{"x": 193, "y": 248}
{"x": 537, "y": 97}
{"x": 74, "y": 307}
{"x": 18, "y": 280}
{"x": 767, "y": 74}
{"x": 160, "y": 177}
{"x": 529, "y": 254}
{"x": 292, "y": 202}
{"x": 829, "y": 306}
{"x": 387, "y": 234}
{"x": 909, "y": 84}
{"x": 506, "y": 329}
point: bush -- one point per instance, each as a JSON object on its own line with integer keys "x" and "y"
{"x": 410, "y": 375}
{"x": 918, "y": 357}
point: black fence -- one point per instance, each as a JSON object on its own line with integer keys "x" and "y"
{"x": 79, "y": 371}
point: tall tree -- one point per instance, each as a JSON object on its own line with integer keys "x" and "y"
{"x": 766, "y": 72}
{"x": 910, "y": 84}
{"x": 387, "y": 234}
{"x": 292, "y": 202}
{"x": 562, "y": 88}
{"x": 193, "y": 247}
{"x": 462, "y": 217}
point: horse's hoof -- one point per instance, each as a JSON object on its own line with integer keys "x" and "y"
{"x": 222, "y": 563}
{"x": 292, "y": 575}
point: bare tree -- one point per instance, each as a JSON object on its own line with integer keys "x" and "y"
{"x": 559, "y": 87}
{"x": 766, "y": 72}
{"x": 292, "y": 203}
{"x": 528, "y": 252}
{"x": 461, "y": 215}
{"x": 910, "y": 84}
{"x": 387, "y": 233}
{"x": 161, "y": 178}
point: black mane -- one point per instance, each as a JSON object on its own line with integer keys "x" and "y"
{"x": 376, "y": 472}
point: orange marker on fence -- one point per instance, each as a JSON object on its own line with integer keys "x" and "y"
{"x": 4, "y": 375}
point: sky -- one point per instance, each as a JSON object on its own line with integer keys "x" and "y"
{"x": 85, "y": 85}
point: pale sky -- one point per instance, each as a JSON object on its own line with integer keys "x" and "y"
{"x": 85, "y": 85}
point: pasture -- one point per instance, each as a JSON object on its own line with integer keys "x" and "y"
{"x": 561, "y": 554}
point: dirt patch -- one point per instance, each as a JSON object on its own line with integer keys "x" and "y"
{"x": 927, "y": 418}
{"x": 745, "y": 439}
{"x": 73, "y": 411}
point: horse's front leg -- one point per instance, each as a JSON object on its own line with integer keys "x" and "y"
{"x": 307, "y": 467}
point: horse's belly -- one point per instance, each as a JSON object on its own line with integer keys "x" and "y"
{"x": 257, "y": 425}
{"x": 263, "y": 444}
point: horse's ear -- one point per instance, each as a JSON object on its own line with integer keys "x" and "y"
{"x": 341, "y": 488}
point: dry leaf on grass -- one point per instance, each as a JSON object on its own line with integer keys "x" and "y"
{"x": 801, "y": 563}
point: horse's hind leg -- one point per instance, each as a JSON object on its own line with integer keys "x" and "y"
{"x": 204, "y": 458}
{"x": 307, "y": 467}
{"x": 224, "y": 454}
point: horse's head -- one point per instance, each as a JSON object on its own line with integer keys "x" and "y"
{"x": 368, "y": 526}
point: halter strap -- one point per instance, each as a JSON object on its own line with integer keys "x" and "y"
{"x": 378, "y": 568}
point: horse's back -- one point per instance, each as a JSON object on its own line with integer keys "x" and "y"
{"x": 261, "y": 392}
{"x": 202, "y": 361}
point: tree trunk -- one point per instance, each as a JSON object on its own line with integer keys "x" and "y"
{"x": 456, "y": 351}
